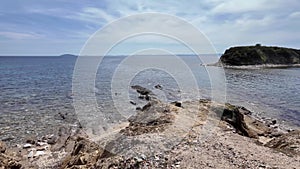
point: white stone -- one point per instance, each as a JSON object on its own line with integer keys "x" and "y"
{"x": 39, "y": 153}
{"x": 27, "y": 145}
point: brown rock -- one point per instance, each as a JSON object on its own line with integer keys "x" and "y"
{"x": 239, "y": 118}
{"x": 84, "y": 154}
{"x": 2, "y": 147}
{"x": 288, "y": 143}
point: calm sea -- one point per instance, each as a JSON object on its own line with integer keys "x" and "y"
{"x": 36, "y": 92}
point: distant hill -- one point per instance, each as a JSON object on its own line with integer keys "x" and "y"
{"x": 259, "y": 55}
{"x": 68, "y": 55}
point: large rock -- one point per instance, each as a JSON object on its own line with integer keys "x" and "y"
{"x": 153, "y": 117}
{"x": 85, "y": 154}
{"x": 258, "y": 55}
{"x": 240, "y": 118}
{"x": 288, "y": 143}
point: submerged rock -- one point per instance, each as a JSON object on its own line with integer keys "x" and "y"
{"x": 141, "y": 90}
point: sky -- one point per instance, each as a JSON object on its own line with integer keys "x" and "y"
{"x": 55, "y": 27}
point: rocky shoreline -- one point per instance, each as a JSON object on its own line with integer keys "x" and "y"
{"x": 238, "y": 140}
{"x": 270, "y": 66}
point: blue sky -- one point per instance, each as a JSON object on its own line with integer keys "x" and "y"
{"x": 54, "y": 27}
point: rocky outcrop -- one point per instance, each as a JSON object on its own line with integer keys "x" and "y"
{"x": 153, "y": 117}
{"x": 260, "y": 55}
{"x": 240, "y": 118}
{"x": 287, "y": 143}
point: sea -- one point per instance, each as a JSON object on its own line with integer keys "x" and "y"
{"x": 37, "y": 97}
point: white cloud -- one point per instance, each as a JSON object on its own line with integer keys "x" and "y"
{"x": 95, "y": 15}
{"x": 238, "y": 6}
{"x": 19, "y": 36}
{"x": 225, "y": 22}
{"x": 295, "y": 15}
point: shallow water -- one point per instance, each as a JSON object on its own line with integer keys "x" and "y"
{"x": 37, "y": 91}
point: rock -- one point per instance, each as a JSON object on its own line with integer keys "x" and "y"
{"x": 158, "y": 86}
{"x": 141, "y": 90}
{"x": 133, "y": 103}
{"x": 147, "y": 97}
{"x": 41, "y": 143}
{"x": 153, "y": 117}
{"x": 2, "y": 147}
{"x": 52, "y": 139}
{"x": 147, "y": 106}
{"x": 42, "y": 148}
{"x": 60, "y": 143}
{"x": 84, "y": 154}
{"x": 141, "y": 97}
{"x": 30, "y": 155}
{"x": 39, "y": 153}
{"x": 31, "y": 140}
{"x": 138, "y": 159}
{"x": 239, "y": 118}
{"x": 27, "y": 145}
{"x": 143, "y": 156}
{"x": 14, "y": 165}
{"x": 274, "y": 122}
{"x": 276, "y": 134}
{"x": 288, "y": 143}
{"x": 176, "y": 103}
{"x": 258, "y": 55}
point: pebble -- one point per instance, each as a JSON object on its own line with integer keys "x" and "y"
{"x": 133, "y": 103}
{"x": 139, "y": 160}
{"x": 39, "y": 153}
{"x": 30, "y": 155}
{"x": 27, "y": 145}
{"x": 143, "y": 156}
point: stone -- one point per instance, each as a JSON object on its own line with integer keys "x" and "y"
{"x": 30, "y": 155}
{"x": 39, "y": 153}
{"x": 143, "y": 156}
{"x": 30, "y": 140}
{"x": 52, "y": 139}
{"x": 177, "y": 104}
{"x": 27, "y": 145}
{"x": 133, "y": 103}
{"x": 142, "y": 90}
{"x": 158, "y": 86}
{"x": 41, "y": 143}
{"x": 288, "y": 143}
{"x": 240, "y": 119}
{"x": 2, "y": 147}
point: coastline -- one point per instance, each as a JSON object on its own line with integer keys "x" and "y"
{"x": 260, "y": 66}
{"x": 239, "y": 140}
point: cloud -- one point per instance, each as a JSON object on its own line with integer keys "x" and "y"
{"x": 225, "y": 22}
{"x": 295, "y": 15}
{"x": 92, "y": 15}
{"x": 20, "y": 36}
{"x": 237, "y": 6}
